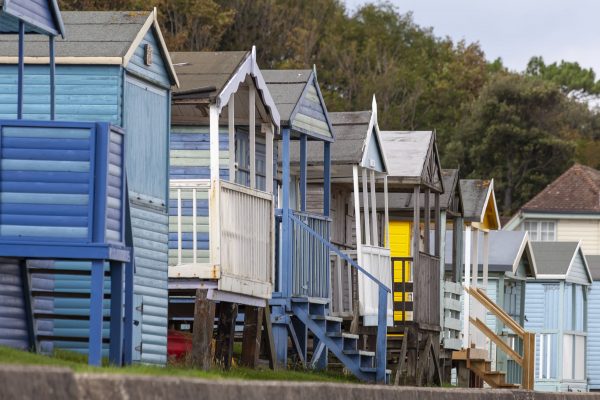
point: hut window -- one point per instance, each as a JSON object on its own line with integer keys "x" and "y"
{"x": 540, "y": 231}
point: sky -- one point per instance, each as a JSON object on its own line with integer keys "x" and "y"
{"x": 514, "y": 30}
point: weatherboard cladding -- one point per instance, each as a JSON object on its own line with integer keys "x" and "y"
{"x": 95, "y": 93}
{"x": 14, "y": 332}
{"x": 593, "y": 343}
{"x": 41, "y": 16}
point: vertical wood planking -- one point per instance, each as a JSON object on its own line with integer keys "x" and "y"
{"x": 214, "y": 200}
{"x": 204, "y": 317}
{"x": 269, "y": 157}
{"x": 179, "y": 234}
{"x": 357, "y": 214}
{"x": 427, "y": 221}
{"x": 466, "y": 296}
{"x": 387, "y": 212}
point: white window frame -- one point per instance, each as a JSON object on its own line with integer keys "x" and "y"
{"x": 536, "y": 235}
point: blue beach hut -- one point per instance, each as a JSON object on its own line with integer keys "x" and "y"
{"x": 113, "y": 68}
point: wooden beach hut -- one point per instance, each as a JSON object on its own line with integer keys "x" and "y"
{"x": 221, "y": 229}
{"x": 593, "y": 326}
{"x": 326, "y": 173}
{"x": 556, "y": 309}
{"x": 113, "y": 68}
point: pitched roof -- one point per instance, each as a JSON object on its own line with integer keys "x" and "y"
{"x": 286, "y": 87}
{"x": 107, "y": 37}
{"x": 450, "y": 181}
{"x": 577, "y": 190}
{"x": 554, "y": 258}
{"x": 478, "y": 197}
{"x": 412, "y": 157}
{"x": 594, "y": 265}
{"x": 351, "y": 131}
{"x": 206, "y": 71}
{"x": 39, "y": 17}
{"x": 506, "y": 249}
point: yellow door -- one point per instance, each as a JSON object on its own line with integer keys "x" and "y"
{"x": 400, "y": 247}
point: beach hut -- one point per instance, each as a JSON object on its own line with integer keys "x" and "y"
{"x": 556, "y": 309}
{"x": 113, "y": 68}
{"x": 510, "y": 264}
{"x": 221, "y": 229}
{"x": 326, "y": 172}
{"x": 593, "y": 326}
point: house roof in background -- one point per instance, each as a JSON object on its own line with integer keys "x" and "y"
{"x": 577, "y": 190}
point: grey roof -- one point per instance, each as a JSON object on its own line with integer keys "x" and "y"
{"x": 553, "y": 258}
{"x": 350, "y": 130}
{"x": 286, "y": 87}
{"x": 406, "y": 151}
{"x": 594, "y": 265}
{"x": 90, "y": 34}
{"x": 404, "y": 201}
{"x": 474, "y": 193}
{"x": 206, "y": 71}
{"x": 504, "y": 248}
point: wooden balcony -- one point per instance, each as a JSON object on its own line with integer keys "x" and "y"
{"x": 239, "y": 222}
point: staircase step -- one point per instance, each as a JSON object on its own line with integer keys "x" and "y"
{"x": 359, "y": 352}
{"x": 342, "y": 335}
{"x": 313, "y": 300}
{"x": 331, "y": 324}
{"x": 346, "y": 341}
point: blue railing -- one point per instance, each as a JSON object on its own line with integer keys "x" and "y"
{"x": 310, "y": 257}
{"x": 381, "y": 350}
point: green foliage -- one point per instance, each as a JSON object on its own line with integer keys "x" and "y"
{"x": 521, "y": 129}
{"x": 516, "y": 133}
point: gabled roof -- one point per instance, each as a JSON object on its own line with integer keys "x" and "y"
{"x": 479, "y": 202}
{"x": 556, "y": 260}
{"x": 95, "y": 37}
{"x": 594, "y": 266}
{"x": 39, "y": 17}
{"x": 404, "y": 201}
{"x": 300, "y": 103}
{"x": 354, "y": 132}
{"x": 413, "y": 158}
{"x": 577, "y": 190}
{"x": 217, "y": 75}
{"x": 506, "y": 250}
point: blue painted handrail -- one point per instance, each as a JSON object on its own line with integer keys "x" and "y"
{"x": 380, "y": 353}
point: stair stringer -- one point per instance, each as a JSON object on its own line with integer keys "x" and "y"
{"x": 333, "y": 345}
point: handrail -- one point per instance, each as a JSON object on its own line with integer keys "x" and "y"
{"x": 381, "y": 340}
{"x": 497, "y": 311}
{"x": 338, "y": 252}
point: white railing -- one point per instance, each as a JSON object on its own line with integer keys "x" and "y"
{"x": 187, "y": 194}
{"x": 377, "y": 261}
{"x": 342, "y": 288}
{"x": 244, "y": 238}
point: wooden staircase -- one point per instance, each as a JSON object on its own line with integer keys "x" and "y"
{"x": 477, "y": 359}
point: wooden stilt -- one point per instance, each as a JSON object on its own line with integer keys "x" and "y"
{"x": 204, "y": 320}
{"x": 269, "y": 337}
{"x": 402, "y": 360}
{"x": 225, "y": 334}
{"x": 253, "y": 317}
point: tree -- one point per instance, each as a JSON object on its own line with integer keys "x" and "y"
{"x": 570, "y": 76}
{"x": 516, "y": 133}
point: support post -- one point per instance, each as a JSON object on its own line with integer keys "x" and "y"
{"x": 214, "y": 196}
{"x": 226, "y": 333}
{"x": 231, "y": 125}
{"x": 326, "y": 179}
{"x": 467, "y": 283}
{"x": 204, "y": 320}
{"x": 21, "y": 72}
{"x": 115, "y": 353}
{"x": 426, "y": 222}
{"x": 252, "y": 133}
{"x": 253, "y": 317}
{"x": 439, "y": 228}
{"x": 365, "y": 189}
{"x": 374, "y": 210}
{"x": 271, "y": 169}
{"x": 51, "y": 43}
{"x": 128, "y": 319}
{"x": 416, "y": 231}
{"x": 387, "y": 212}
{"x": 96, "y": 318}
{"x": 486, "y": 258}
{"x": 303, "y": 165}
{"x": 286, "y": 272}
{"x": 357, "y": 214}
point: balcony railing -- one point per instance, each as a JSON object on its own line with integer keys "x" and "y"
{"x": 239, "y": 222}
{"x": 310, "y": 257}
{"x": 376, "y": 260}
{"x": 342, "y": 285}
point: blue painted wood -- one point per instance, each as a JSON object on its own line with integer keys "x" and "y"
{"x": 96, "y": 314}
{"x": 13, "y": 314}
{"x": 326, "y": 179}
{"x": 21, "y": 69}
{"x": 52, "y": 78}
{"x": 116, "y": 313}
{"x": 285, "y": 268}
{"x": 303, "y": 166}
{"x": 374, "y": 154}
{"x": 156, "y": 72}
{"x": 40, "y": 16}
